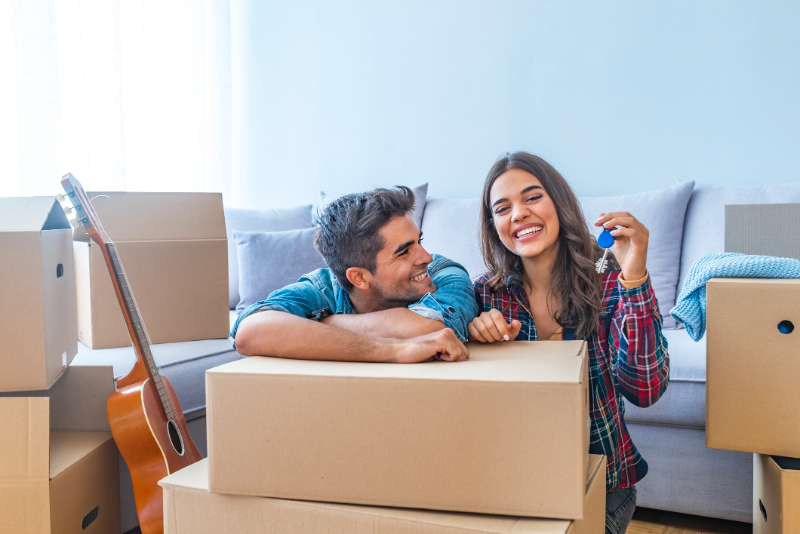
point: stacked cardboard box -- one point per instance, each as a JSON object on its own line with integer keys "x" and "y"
{"x": 174, "y": 249}
{"x": 505, "y": 433}
{"x": 59, "y": 465}
{"x": 752, "y": 398}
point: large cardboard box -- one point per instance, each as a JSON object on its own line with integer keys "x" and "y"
{"x": 174, "y": 250}
{"x": 503, "y": 433}
{"x": 59, "y": 467}
{"x": 776, "y": 495}
{"x": 37, "y": 293}
{"x": 752, "y": 371}
{"x": 190, "y": 509}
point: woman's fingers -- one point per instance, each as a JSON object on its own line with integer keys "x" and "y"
{"x": 499, "y": 322}
{"x": 474, "y": 335}
{"x": 514, "y": 327}
{"x": 481, "y": 327}
{"x": 491, "y": 326}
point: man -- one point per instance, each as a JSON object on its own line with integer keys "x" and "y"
{"x": 382, "y": 299}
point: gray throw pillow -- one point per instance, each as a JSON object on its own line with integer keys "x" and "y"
{"x": 662, "y": 212}
{"x": 271, "y": 220}
{"x": 272, "y": 260}
{"x": 420, "y": 194}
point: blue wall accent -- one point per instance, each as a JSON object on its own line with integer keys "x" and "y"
{"x": 618, "y": 96}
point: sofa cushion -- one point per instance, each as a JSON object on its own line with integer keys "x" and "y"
{"x": 704, "y": 229}
{"x": 272, "y": 220}
{"x": 420, "y": 195}
{"x": 184, "y": 364}
{"x": 662, "y": 212}
{"x": 684, "y": 402}
{"x": 272, "y": 260}
{"x": 451, "y": 228}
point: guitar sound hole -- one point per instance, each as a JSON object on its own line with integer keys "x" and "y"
{"x": 175, "y": 437}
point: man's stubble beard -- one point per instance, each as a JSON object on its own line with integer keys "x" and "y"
{"x": 392, "y": 298}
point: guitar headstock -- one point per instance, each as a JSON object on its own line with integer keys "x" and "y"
{"x": 84, "y": 211}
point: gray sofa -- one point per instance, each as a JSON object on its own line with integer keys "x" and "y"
{"x": 685, "y": 476}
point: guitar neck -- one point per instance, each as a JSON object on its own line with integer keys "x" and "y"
{"x": 139, "y": 337}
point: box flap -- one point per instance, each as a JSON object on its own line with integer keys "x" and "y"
{"x": 66, "y": 448}
{"x": 78, "y": 399}
{"x": 31, "y": 214}
{"x": 24, "y": 440}
{"x": 524, "y": 361}
{"x": 157, "y": 216}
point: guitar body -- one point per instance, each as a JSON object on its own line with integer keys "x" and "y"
{"x": 141, "y": 433}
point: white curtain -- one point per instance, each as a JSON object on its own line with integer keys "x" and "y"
{"x": 131, "y": 95}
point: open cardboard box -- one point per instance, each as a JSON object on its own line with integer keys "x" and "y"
{"x": 37, "y": 293}
{"x": 506, "y": 432}
{"x": 752, "y": 371}
{"x": 189, "y": 508}
{"x": 59, "y": 467}
{"x": 776, "y": 495}
{"x": 175, "y": 252}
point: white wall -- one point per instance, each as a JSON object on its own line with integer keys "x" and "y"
{"x": 349, "y": 95}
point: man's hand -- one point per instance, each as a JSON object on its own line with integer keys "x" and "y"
{"x": 491, "y": 326}
{"x": 442, "y": 345}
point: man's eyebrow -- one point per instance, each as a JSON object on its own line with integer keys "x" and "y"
{"x": 407, "y": 244}
{"x": 529, "y": 188}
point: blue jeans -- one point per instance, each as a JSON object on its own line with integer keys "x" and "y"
{"x": 620, "y": 505}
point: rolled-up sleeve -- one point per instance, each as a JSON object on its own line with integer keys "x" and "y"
{"x": 642, "y": 361}
{"x": 453, "y": 302}
{"x": 300, "y": 299}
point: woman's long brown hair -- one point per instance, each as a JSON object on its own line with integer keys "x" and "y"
{"x": 574, "y": 280}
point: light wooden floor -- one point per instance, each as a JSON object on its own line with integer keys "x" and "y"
{"x": 649, "y": 521}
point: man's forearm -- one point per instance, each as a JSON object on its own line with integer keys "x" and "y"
{"x": 400, "y": 323}
{"x": 275, "y": 333}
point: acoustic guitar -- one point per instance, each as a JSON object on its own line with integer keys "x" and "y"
{"x": 144, "y": 413}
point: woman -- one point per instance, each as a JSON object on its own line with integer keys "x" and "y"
{"x": 543, "y": 284}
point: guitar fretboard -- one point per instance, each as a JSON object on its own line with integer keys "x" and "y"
{"x": 142, "y": 339}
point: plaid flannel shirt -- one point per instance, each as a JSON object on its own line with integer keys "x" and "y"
{"x": 627, "y": 358}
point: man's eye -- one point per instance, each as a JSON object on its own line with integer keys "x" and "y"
{"x": 403, "y": 253}
{"x": 420, "y": 241}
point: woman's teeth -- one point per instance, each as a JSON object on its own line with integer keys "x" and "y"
{"x": 531, "y": 230}
{"x": 420, "y": 277}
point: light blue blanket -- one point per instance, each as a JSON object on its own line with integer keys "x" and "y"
{"x": 691, "y": 306}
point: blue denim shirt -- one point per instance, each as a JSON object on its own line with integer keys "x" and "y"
{"x": 453, "y": 302}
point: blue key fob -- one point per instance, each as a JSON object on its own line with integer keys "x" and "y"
{"x": 606, "y": 240}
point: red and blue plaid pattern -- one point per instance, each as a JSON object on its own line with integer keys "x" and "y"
{"x": 627, "y": 358}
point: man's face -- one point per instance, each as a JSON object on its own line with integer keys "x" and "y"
{"x": 401, "y": 277}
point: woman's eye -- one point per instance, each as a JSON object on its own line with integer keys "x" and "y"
{"x": 498, "y": 211}
{"x": 535, "y": 197}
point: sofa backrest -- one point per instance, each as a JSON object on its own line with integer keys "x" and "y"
{"x": 704, "y": 227}
{"x": 271, "y": 220}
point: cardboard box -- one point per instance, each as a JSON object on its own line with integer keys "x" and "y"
{"x": 190, "y": 509}
{"x": 776, "y": 495}
{"x": 503, "y": 433}
{"x": 752, "y": 372}
{"x": 59, "y": 470}
{"x": 37, "y": 293}
{"x": 174, "y": 250}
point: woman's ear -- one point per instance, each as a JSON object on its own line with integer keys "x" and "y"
{"x": 359, "y": 277}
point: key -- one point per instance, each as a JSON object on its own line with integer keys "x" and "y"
{"x": 605, "y": 240}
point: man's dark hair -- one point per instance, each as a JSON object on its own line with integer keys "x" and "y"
{"x": 349, "y": 229}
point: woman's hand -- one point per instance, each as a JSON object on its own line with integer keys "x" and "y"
{"x": 490, "y": 326}
{"x": 630, "y": 245}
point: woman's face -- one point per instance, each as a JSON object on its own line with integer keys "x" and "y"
{"x": 524, "y": 214}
